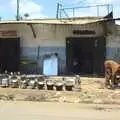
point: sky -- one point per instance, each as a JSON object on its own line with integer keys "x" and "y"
{"x": 47, "y": 8}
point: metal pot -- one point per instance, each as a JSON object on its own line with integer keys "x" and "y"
{"x": 32, "y": 83}
{"x": 14, "y": 82}
{"x": 5, "y": 82}
{"x": 59, "y": 85}
{"x": 40, "y": 84}
{"x": 50, "y": 85}
{"x": 69, "y": 85}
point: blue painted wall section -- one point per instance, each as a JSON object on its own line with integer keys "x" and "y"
{"x": 37, "y": 54}
{"x": 108, "y": 53}
{"x": 113, "y": 53}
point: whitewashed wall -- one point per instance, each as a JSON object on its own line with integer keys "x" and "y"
{"x": 52, "y": 34}
{"x": 49, "y": 38}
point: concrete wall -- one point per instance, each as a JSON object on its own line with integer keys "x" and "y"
{"x": 50, "y": 38}
{"x": 113, "y": 42}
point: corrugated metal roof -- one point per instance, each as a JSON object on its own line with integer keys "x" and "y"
{"x": 82, "y": 20}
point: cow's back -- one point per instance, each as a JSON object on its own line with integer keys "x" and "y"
{"x": 112, "y": 65}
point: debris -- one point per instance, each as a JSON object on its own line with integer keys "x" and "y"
{"x": 98, "y": 101}
{"x": 62, "y": 99}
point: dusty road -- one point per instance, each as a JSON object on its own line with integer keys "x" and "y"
{"x": 57, "y": 111}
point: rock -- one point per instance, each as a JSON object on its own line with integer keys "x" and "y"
{"x": 58, "y": 94}
{"x": 97, "y": 101}
{"x": 87, "y": 101}
{"x": 1, "y": 100}
{"x": 117, "y": 92}
{"x": 77, "y": 100}
{"x": 62, "y": 99}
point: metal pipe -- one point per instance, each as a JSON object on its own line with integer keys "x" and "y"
{"x": 57, "y": 14}
{"x": 86, "y": 6}
{"x": 108, "y": 8}
{"x": 97, "y": 11}
{"x": 18, "y": 7}
{"x": 73, "y": 12}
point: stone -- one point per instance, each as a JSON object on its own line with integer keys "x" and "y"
{"x": 62, "y": 99}
{"x": 97, "y": 101}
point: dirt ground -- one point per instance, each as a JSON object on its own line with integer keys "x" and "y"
{"x": 26, "y": 110}
{"x": 92, "y": 91}
{"x": 29, "y": 104}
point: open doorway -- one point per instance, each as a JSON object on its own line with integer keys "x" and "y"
{"x": 9, "y": 54}
{"x": 85, "y": 56}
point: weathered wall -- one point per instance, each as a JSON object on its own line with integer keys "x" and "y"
{"x": 50, "y": 38}
{"x": 113, "y": 42}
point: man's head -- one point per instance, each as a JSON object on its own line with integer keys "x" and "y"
{"x": 6, "y": 71}
{"x": 56, "y": 54}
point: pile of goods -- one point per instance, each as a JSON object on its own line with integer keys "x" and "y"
{"x": 16, "y": 80}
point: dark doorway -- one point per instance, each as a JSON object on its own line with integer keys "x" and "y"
{"x": 85, "y": 56}
{"x": 9, "y": 54}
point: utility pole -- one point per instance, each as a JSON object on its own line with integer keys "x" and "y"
{"x": 58, "y": 7}
{"x": 18, "y": 16}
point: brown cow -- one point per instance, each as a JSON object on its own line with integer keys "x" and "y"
{"x": 112, "y": 69}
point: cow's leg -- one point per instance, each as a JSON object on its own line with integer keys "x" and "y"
{"x": 108, "y": 75}
{"x": 107, "y": 80}
{"x": 114, "y": 82}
